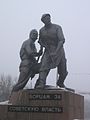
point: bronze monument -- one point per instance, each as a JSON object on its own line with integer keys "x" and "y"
{"x": 52, "y": 39}
{"x": 29, "y": 65}
{"x": 44, "y": 102}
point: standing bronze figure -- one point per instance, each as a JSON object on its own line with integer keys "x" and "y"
{"x": 29, "y": 65}
{"x": 52, "y": 39}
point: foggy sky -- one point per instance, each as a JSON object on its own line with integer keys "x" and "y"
{"x": 18, "y": 17}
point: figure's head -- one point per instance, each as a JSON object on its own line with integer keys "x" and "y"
{"x": 46, "y": 19}
{"x": 33, "y": 34}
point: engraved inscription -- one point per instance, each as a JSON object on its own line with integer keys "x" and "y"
{"x": 42, "y": 109}
{"x": 45, "y": 97}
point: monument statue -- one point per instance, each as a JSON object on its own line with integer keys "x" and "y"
{"x": 29, "y": 65}
{"x": 44, "y": 102}
{"x": 52, "y": 39}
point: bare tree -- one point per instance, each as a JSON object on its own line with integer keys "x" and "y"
{"x": 6, "y": 84}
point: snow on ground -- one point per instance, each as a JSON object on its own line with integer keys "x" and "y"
{"x": 5, "y": 102}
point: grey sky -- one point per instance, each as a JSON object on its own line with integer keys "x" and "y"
{"x": 18, "y": 17}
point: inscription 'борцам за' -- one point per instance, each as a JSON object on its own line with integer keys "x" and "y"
{"x": 45, "y": 97}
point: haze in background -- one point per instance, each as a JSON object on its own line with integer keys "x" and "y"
{"x": 18, "y": 17}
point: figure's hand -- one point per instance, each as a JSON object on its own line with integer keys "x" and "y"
{"x": 40, "y": 52}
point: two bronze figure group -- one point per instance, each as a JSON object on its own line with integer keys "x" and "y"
{"x": 51, "y": 40}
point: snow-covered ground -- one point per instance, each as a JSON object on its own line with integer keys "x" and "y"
{"x": 5, "y": 103}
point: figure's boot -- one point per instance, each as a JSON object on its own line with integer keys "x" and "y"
{"x": 60, "y": 81}
{"x": 39, "y": 84}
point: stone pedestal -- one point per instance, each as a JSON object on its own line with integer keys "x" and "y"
{"x": 54, "y": 104}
